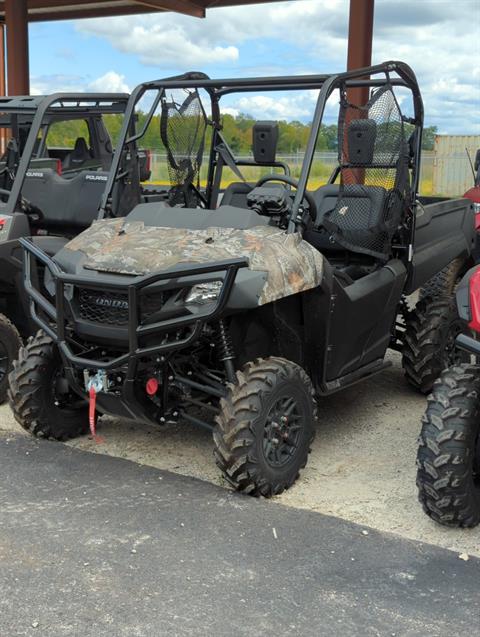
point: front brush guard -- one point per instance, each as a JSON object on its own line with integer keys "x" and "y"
{"x": 228, "y": 268}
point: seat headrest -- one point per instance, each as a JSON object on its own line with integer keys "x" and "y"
{"x": 361, "y": 137}
{"x": 81, "y": 147}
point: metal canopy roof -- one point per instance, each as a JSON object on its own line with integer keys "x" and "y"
{"x": 16, "y": 14}
{"x": 63, "y": 10}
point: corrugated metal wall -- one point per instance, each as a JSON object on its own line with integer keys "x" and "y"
{"x": 452, "y": 174}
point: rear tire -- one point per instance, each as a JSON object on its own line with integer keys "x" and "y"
{"x": 265, "y": 427}
{"x": 448, "y": 459}
{"x": 10, "y": 344}
{"x": 429, "y": 341}
{"x": 445, "y": 281}
{"x": 39, "y": 396}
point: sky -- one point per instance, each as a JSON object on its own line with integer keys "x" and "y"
{"x": 440, "y": 39}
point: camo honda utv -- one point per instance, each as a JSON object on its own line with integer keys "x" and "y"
{"x": 236, "y": 311}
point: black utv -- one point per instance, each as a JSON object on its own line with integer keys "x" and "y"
{"x": 237, "y": 311}
{"x": 49, "y": 191}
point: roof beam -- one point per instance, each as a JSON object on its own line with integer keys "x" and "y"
{"x": 70, "y": 6}
{"x": 65, "y": 9}
{"x": 85, "y": 13}
{"x": 189, "y": 7}
{"x": 40, "y": 10}
{"x": 214, "y": 4}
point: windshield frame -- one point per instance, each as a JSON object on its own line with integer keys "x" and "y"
{"x": 393, "y": 72}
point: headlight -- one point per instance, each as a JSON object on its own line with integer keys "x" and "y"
{"x": 204, "y": 293}
{"x": 476, "y": 208}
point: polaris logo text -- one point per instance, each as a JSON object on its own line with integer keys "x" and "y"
{"x": 116, "y": 304}
{"x": 96, "y": 177}
{"x": 31, "y": 173}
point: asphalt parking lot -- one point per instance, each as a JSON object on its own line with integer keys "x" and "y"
{"x": 95, "y": 545}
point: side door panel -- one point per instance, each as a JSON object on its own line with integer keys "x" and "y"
{"x": 361, "y": 319}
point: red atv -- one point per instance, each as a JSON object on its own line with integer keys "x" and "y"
{"x": 448, "y": 460}
{"x": 474, "y": 195}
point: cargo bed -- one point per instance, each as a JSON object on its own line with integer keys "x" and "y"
{"x": 444, "y": 230}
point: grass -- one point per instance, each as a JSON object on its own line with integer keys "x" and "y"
{"x": 319, "y": 175}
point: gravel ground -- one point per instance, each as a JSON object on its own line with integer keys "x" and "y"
{"x": 362, "y": 465}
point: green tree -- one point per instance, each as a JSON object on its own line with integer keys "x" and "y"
{"x": 428, "y": 137}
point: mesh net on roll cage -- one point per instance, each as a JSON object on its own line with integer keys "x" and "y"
{"x": 373, "y": 159}
{"x": 182, "y": 129}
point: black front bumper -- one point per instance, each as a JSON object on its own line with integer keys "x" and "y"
{"x": 55, "y": 326}
{"x": 53, "y": 319}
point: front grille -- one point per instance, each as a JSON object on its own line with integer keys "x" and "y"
{"x": 111, "y": 308}
{"x": 99, "y": 307}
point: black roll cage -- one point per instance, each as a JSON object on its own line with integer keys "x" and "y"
{"x": 365, "y": 77}
{"x": 53, "y": 317}
{"x": 57, "y": 105}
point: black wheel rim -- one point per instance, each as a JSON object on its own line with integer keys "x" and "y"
{"x": 282, "y": 433}
{"x": 4, "y": 362}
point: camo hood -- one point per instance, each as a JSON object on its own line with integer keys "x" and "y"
{"x": 118, "y": 246}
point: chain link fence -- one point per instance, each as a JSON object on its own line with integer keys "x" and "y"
{"x": 322, "y": 167}
{"x": 452, "y": 172}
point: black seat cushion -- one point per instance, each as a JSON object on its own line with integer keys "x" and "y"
{"x": 236, "y": 194}
{"x": 358, "y": 220}
{"x": 358, "y": 208}
{"x": 79, "y": 155}
{"x": 326, "y": 199}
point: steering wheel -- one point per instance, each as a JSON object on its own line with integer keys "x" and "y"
{"x": 286, "y": 179}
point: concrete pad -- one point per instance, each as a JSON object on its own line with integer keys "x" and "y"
{"x": 362, "y": 465}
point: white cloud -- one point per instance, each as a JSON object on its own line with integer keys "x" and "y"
{"x": 228, "y": 110}
{"x": 282, "y": 107}
{"x": 169, "y": 40}
{"x": 46, "y": 84}
{"x": 160, "y": 42}
{"x": 111, "y": 82}
{"x": 439, "y": 39}
{"x": 445, "y": 57}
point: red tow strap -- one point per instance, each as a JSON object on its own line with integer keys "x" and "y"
{"x": 92, "y": 417}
